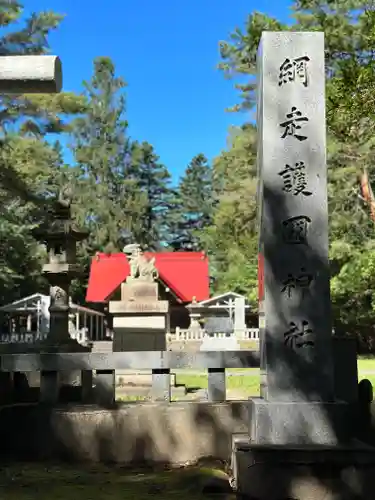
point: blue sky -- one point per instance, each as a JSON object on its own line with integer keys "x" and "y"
{"x": 167, "y": 51}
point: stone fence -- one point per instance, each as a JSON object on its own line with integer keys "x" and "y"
{"x": 101, "y": 389}
{"x": 82, "y": 336}
{"x": 26, "y": 337}
{"x": 194, "y": 335}
{"x": 179, "y": 432}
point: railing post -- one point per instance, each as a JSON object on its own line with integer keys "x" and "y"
{"x": 105, "y": 383}
{"x": 20, "y": 385}
{"x": 6, "y": 386}
{"x": 49, "y": 387}
{"x": 216, "y": 385}
{"x": 85, "y": 337}
{"x": 86, "y": 386}
{"x": 161, "y": 385}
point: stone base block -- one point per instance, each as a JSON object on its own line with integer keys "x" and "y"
{"x": 125, "y": 340}
{"x": 139, "y": 291}
{"x": 229, "y": 343}
{"x": 126, "y": 393}
{"x": 49, "y": 345}
{"x": 139, "y": 333}
{"x": 146, "y": 307}
{"x": 296, "y": 423}
{"x": 308, "y": 473}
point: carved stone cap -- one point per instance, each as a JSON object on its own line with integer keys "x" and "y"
{"x": 59, "y": 224}
{"x": 132, "y": 248}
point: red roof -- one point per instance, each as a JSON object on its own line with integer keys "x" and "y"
{"x": 185, "y": 273}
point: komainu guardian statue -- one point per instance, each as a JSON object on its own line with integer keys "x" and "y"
{"x": 141, "y": 268}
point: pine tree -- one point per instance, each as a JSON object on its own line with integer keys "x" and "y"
{"x": 231, "y": 239}
{"x": 108, "y": 201}
{"x": 152, "y": 180}
{"x": 194, "y": 205}
{"x": 349, "y": 28}
{"x": 29, "y": 165}
{"x": 28, "y": 115}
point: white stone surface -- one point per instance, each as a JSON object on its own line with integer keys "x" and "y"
{"x": 125, "y": 307}
{"x": 144, "y": 322}
{"x": 30, "y": 74}
{"x": 229, "y": 343}
{"x": 239, "y": 314}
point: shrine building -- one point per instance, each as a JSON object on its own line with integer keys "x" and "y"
{"x": 183, "y": 278}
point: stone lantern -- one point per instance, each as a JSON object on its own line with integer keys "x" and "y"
{"x": 60, "y": 235}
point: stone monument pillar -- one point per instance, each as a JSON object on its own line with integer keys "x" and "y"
{"x": 60, "y": 235}
{"x": 300, "y": 434}
{"x": 139, "y": 318}
{"x": 297, "y": 386}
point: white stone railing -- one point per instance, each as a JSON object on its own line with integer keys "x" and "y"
{"x": 186, "y": 335}
{"x": 22, "y": 337}
{"x": 80, "y": 336}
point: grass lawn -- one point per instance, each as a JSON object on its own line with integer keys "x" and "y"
{"x": 40, "y": 482}
{"x": 247, "y": 380}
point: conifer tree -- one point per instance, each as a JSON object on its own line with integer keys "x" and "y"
{"x": 107, "y": 198}
{"x": 153, "y": 182}
{"x": 194, "y": 205}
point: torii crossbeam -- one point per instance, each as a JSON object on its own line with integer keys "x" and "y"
{"x": 30, "y": 74}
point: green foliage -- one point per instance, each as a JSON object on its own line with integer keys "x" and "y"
{"x": 193, "y": 206}
{"x": 28, "y": 163}
{"x": 151, "y": 178}
{"x": 29, "y": 115}
{"x": 349, "y": 28}
{"x": 123, "y": 192}
{"x": 231, "y": 239}
{"x": 105, "y": 197}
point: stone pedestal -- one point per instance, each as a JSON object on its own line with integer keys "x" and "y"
{"x": 139, "y": 318}
{"x": 307, "y": 472}
{"x": 299, "y": 423}
{"x": 229, "y": 343}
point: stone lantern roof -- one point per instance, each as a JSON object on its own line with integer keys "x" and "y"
{"x": 59, "y": 224}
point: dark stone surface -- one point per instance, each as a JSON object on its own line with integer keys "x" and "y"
{"x": 161, "y": 385}
{"x": 130, "y": 433}
{"x": 300, "y": 422}
{"x": 105, "y": 388}
{"x": 49, "y": 387}
{"x": 216, "y": 384}
{"x": 304, "y": 473}
{"x": 296, "y": 346}
{"x": 139, "y": 339}
{"x": 146, "y": 360}
{"x": 345, "y": 369}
